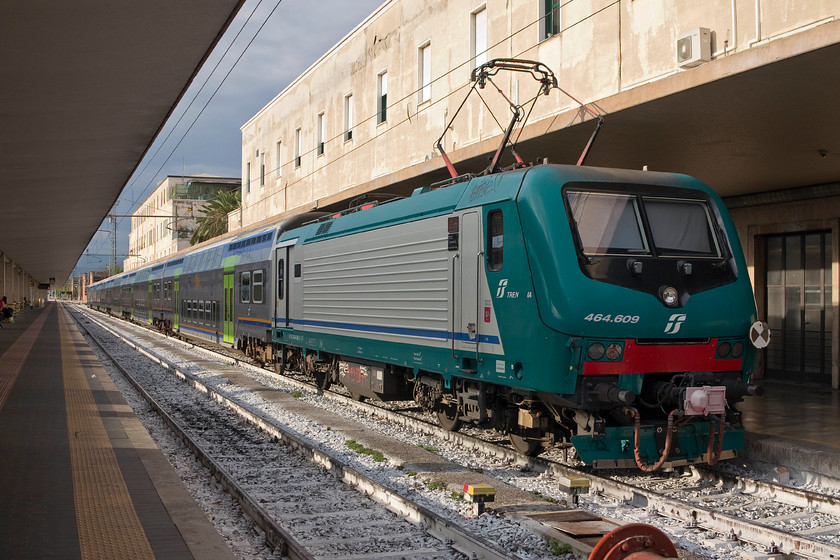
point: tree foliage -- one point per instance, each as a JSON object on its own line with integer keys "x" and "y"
{"x": 215, "y": 220}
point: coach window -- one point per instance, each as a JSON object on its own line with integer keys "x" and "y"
{"x": 208, "y": 319}
{"x": 200, "y": 317}
{"x": 281, "y": 278}
{"x": 257, "y": 290}
{"x": 213, "y": 315}
{"x": 495, "y": 240}
{"x": 188, "y": 314}
{"x": 245, "y": 284}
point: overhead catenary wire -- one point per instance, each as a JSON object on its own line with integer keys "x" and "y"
{"x": 199, "y": 91}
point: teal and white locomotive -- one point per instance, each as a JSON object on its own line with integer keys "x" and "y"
{"x": 600, "y": 308}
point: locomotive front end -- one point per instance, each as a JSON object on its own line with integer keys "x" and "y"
{"x": 648, "y": 282}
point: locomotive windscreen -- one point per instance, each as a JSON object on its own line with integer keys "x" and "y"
{"x": 610, "y": 223}
{"x": 681, "y": 227}
{"x": 607, "y": 223}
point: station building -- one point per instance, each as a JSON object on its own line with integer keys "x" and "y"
{"x": 740, "y": 93}
{"x": 167, "y": 219}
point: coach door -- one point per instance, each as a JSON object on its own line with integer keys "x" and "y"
{"x": 470, "y": 261}
{"x": 150, "y": 303}
{"x": 281, "y": 298}
{"x": 228, "y": 316}
{"x": 176, "y": 304}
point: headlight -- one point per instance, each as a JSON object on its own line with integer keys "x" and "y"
{"x": 596, "y": 351}
{"x": 670, "y": 296}
{"x": 737, "y": 349}
{"x": 724, "y": 349}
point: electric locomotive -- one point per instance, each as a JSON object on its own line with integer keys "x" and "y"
{"x": 600, "y": 308}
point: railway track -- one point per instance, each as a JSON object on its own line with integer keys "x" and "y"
{"x": 296, "y": 493}
{"x": 784, "y": 520}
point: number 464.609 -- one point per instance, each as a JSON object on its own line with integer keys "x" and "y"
{"x": 601, "y": 318}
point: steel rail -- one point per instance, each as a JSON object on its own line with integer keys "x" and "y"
{"x": 276, "y": 536}
{"x": 460, "y": 539}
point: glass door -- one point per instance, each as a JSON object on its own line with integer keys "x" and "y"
{"x": 799, "y": 307}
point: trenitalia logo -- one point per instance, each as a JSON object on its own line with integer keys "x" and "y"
{"x": 674, "y": 324}
{"x": 500, "y": 292}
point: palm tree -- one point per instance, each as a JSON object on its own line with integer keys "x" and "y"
{"x": 215, "y": 220}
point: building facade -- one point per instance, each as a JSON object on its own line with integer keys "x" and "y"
{"x": 165, "y": 222}
{"x": 740, "y": 93}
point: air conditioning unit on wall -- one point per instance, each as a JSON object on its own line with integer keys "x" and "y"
{"x": 694, "y": 48}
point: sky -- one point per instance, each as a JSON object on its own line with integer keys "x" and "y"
{"x": 202, "y": 134}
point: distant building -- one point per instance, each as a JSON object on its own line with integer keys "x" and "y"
{"x": 166, "y": 221}
{"x": 86, "y": 279}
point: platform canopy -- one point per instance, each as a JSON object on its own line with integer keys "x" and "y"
{"x": 85, "y": 86}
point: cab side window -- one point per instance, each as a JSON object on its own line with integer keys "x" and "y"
{"x": 495, "y": 240}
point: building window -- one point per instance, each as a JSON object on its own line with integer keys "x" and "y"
{"x": 495, "y": 240}
{"x": 321, "y": 134}
{"x": 262, "y": 169}
{"x": 550, "y": 18}
{"x": 277, "y": 159}
{"x": 248, "y": 177}
{"x": 424, "y": 72}
{"x": 382, "y": 97}
{"x": 478, "y": 37}
{"x": 297, "y": 147}
{"x": 348, "y": 117}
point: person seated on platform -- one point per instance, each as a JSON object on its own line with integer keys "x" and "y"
{"x": 8, "y": 312}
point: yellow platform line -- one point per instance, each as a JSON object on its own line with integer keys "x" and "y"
{"x": 107, "y": 523}
{"x": 12, "y": 360}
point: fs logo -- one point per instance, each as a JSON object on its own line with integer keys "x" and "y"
{"x": 500, "y": 292}
{"x": 674, "y": 323}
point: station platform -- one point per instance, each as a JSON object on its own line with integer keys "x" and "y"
{"x": 79, "y": 475}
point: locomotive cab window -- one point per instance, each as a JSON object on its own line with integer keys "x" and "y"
{"x": 681, "y": 227}
{"x": 607, "y": 223}
{"x": 495, "y": 240}
{"x": 245, "y": 287}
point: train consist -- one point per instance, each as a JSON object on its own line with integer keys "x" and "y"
{"x": 605, "y": 309}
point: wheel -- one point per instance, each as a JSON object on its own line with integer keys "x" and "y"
{"x": 525, "y": 445}
{"x": 447, "y": 417}
{"x": 323, "y": 380}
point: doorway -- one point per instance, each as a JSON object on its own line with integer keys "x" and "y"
{"x": 799, "y": 307}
